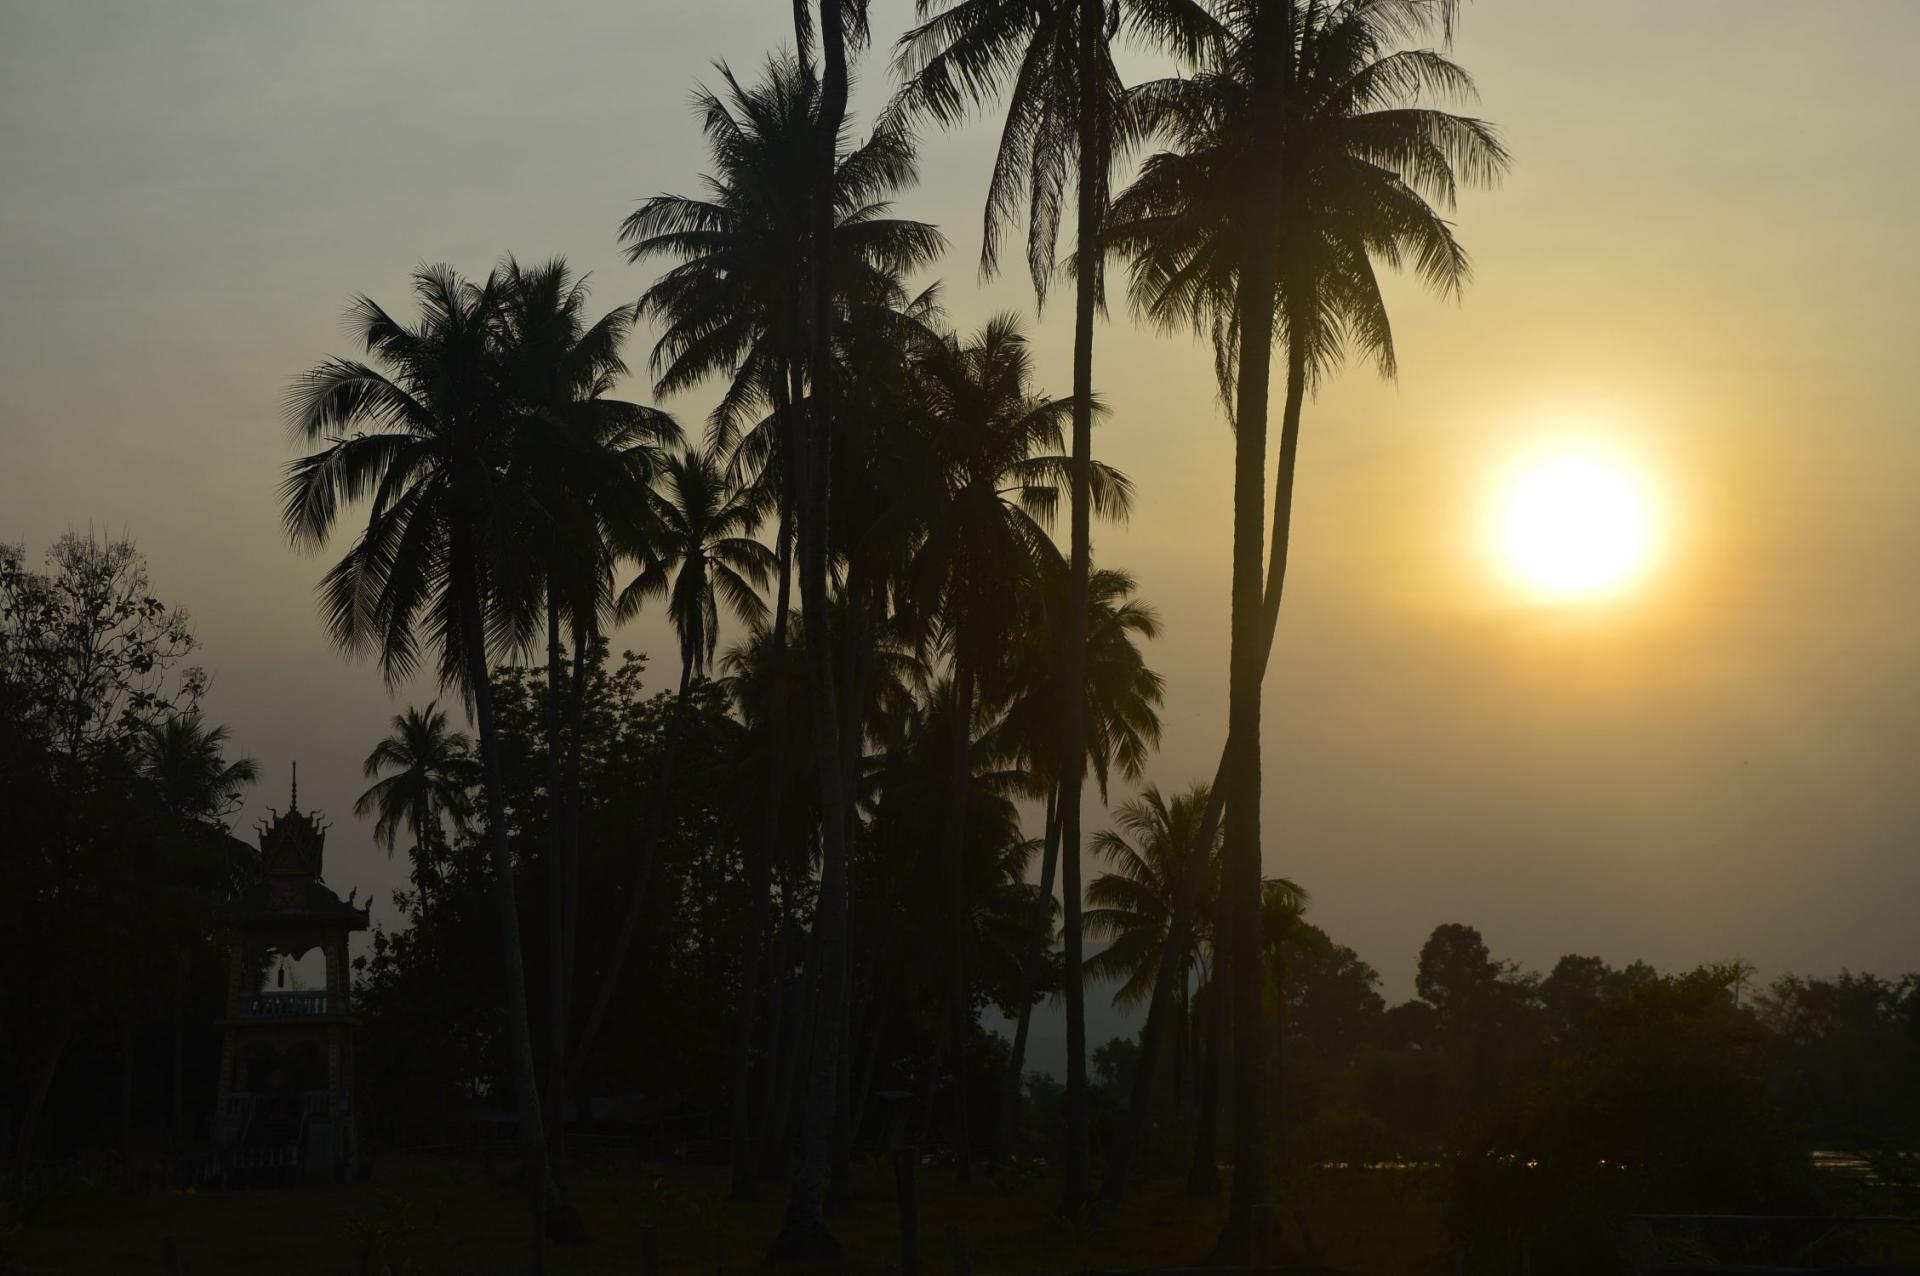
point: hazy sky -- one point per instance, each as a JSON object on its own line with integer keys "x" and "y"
{"x": 1703, "y": 259}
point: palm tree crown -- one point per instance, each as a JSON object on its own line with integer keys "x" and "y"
{"x": 736, "y": 304}
{"x": 983, "y": 477}
{"x": 1156, "y": 840}
{"x": 703, "y": 553}
{"x": 427, "y": 439}
{"x": 422, "y": 772}
{"x": 184, "y": 762}
{"x": 965, "y": 53}
{"x": 1363, "y": 168}
{"x": 1123, "y": 695}
{"x": 588, "y": 455}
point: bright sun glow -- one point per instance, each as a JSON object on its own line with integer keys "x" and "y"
{"x": 1575, "y": 525}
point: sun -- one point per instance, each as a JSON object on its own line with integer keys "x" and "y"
{"x": 1576, "y": 525}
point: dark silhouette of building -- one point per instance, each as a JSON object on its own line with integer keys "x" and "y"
{"x": 285, "y": 1102}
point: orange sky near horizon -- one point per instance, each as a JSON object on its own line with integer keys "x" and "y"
{"x": 1703, "y": 258}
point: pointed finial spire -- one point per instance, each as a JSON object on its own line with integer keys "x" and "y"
{"x": 293, "y": 799}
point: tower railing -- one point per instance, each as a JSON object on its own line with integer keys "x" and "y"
{"x": 286, "y": 1005}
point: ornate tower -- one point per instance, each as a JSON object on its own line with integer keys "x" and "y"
{"x": 285, "y": 1105}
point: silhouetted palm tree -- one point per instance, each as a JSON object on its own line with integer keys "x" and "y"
{"x": 183, "y": 760}
{"x": 422, "y": 774}
{"x": 1144, "y": 909}
{"x": 590, "y": 466}
{"x": 737, "y": 305}
{"x": 803, "y": 1233}
{"x": 1053, "y": 59}
{"x": 183, "y": 763}
{"x": 429, "y": 442}
{"x": 1123, "y": 697}
{"x": 987, "y": 477}
{"x": 1283, "y": 904}
{"x": 700, "y": 554}
{"x": 1156, "y": 840}
{"x": 1299, "y": 161}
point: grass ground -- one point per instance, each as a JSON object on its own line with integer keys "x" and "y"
{"x": 435, "y": 1217}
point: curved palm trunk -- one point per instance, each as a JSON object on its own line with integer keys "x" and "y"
{"x": 1240, "y": 875}
{"x": 1169, "y": 978}
{"x": 662, "y": 796}
{"x": 576, "y": 723}
{"x": 1203, "y": 1176}
{"x": 760, "y": 874}
{"x": 804, "y": 1234}
{"x": 953, "y": 859}
{"x": 866, "y": 612}
{"x": 1247, "y": 1234}
{"x": 557, "y": 1024}
{"x": 1029, "y": 971}
{"x": 422, "y": 850}
{"x": 804, "y": 997}
{"x": 783, "y": 1035}
{"x": 776, "y": 1089}
{"x": 519, "y": 1030}
{"x": 1076, "y": 1175}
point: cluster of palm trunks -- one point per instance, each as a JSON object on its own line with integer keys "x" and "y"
{"x": 911, "y": 475}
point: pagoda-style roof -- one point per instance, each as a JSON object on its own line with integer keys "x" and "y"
{"x": 272, "y": 903}
{"x": 292, "y": 844}
{"x": 289, "y": 890}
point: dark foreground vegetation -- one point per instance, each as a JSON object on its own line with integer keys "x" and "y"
{"x": 701, "y": 941}
{"x": 1495, "y": 1110}
{"x": 442, "y": 1217}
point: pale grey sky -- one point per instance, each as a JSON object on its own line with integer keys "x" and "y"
{"x": 1704, "y": 258}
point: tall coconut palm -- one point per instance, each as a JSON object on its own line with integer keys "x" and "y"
{"x": 910, "y": 791}
{"x": 184, "y": 762}
{"x": 421, "y": 775}
{"x": 1122, "y": 712}
{"x": 426, "y": 436}
{"x": 1300, "y": 159}
{"x": 737, "y": 305}
{"x": 804, "y": 1233}
{"x": 768, "y": 688}
{"x": 181, "y": 761}
{"x": 1053, "y": 60}
{"x": 1156, "y": 840}
{"x": 1141, "y": 907}
{"x": 700, "y": 556}
{"x": 988, "y": 477}
{"x": 591, "y": 465}
{"x": 1153, "y": 910}
{"x": 1123, "y": 695}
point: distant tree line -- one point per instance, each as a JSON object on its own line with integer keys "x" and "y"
{"x": 1541, "y": 1109}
